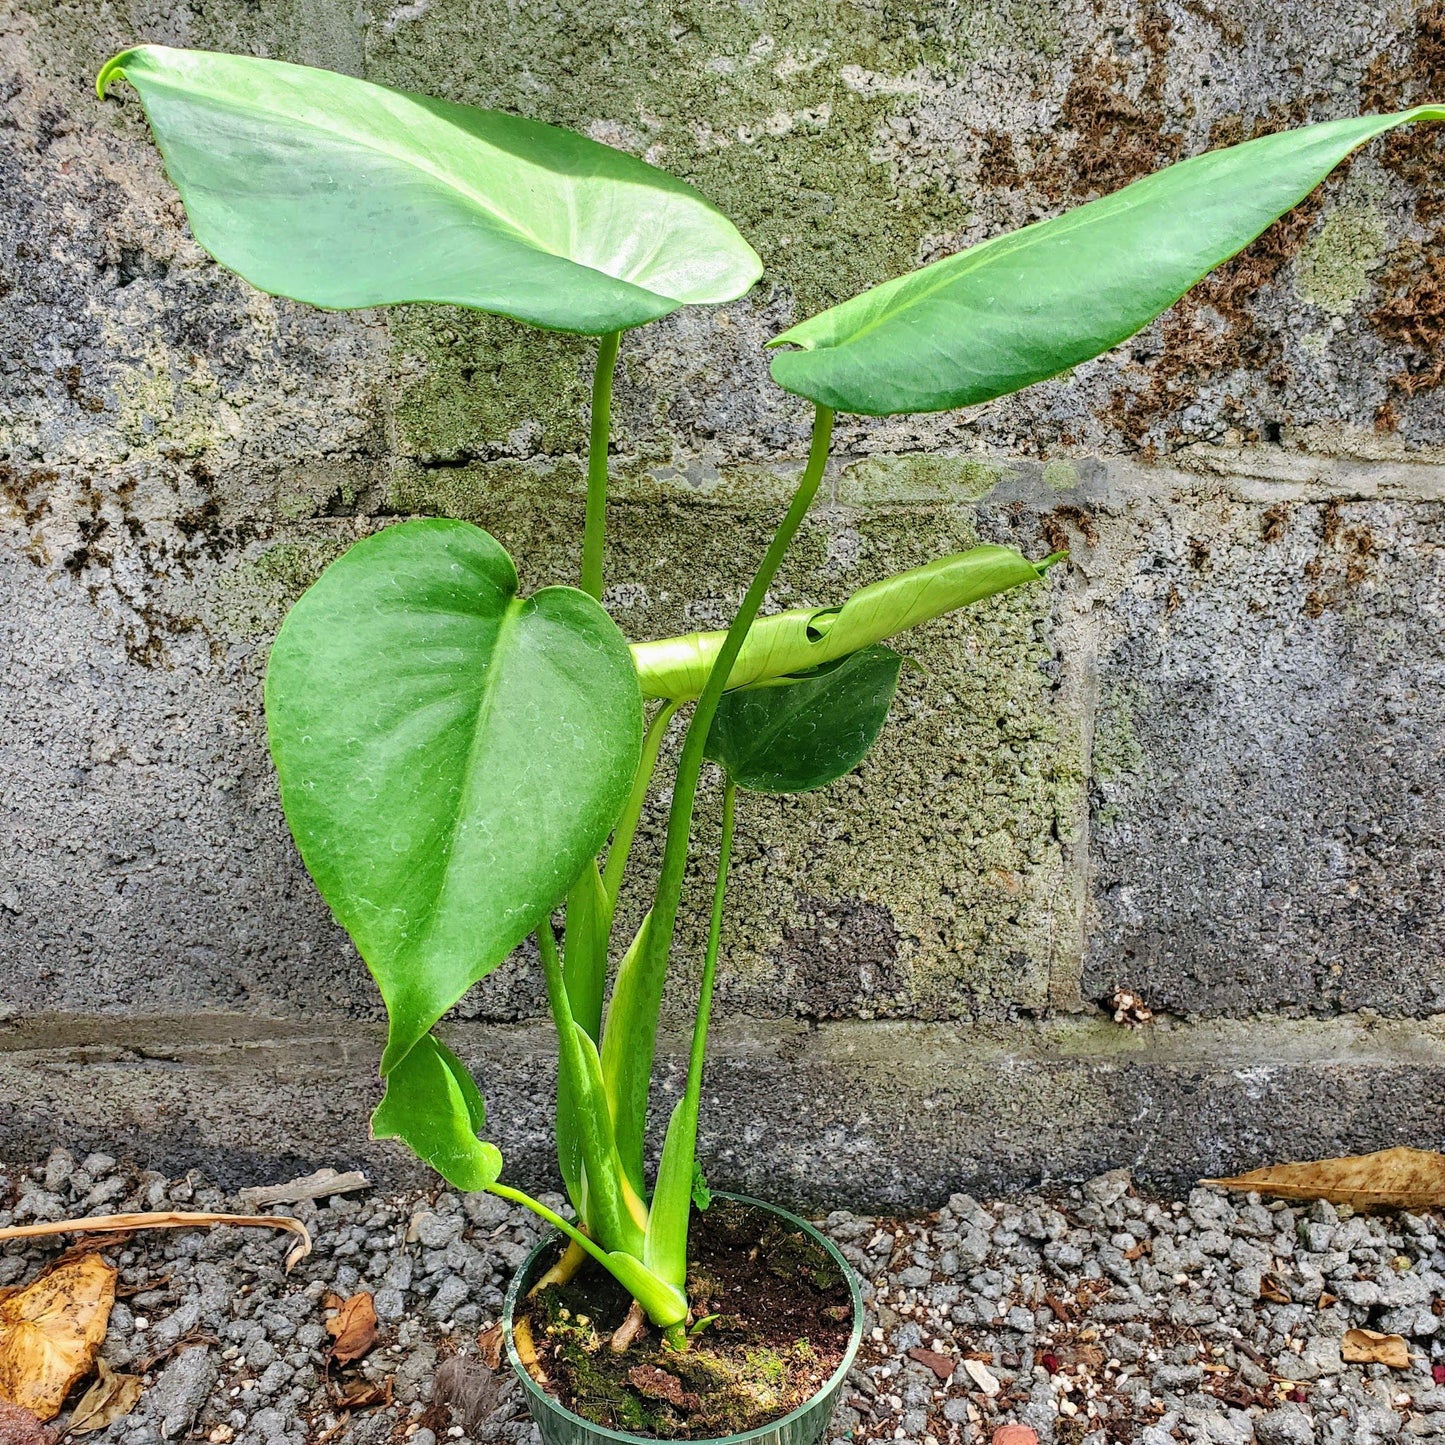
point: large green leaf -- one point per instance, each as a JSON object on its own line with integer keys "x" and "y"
{"x": 341, "y": 193}
{"x": 450, "y": 754}
{"x": 808, "y": 637}
{"x": 433, "y": 1105}
{"x": 806, "y": 733}
{"x": 1030, "y": 304}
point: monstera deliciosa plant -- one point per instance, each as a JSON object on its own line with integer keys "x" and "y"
{"x": 458, "y": 761}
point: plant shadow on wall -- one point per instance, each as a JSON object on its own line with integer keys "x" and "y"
{"x": 458, "y": 761}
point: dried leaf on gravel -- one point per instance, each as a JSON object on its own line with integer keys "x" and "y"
{"x": 353, "y": 1326}
{"x": 50, "y": 1332}
{"x": 363, "y": 1394}
{"x": 1388, "y": 1179}
{"x": 111, "y": 1398}
{"x": 1272, "y": 1290}
{"x": 490, "y": 1344}
{"x": 124, "y": 1224}
{"x": 1368, "y": 1347}
{"x": 941, "y": 1365}
{"x": 20, "y": 1427}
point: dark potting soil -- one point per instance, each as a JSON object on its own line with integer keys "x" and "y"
{"x": 784, "y": 1314}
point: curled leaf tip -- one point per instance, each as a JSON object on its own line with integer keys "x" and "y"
{"x": 1050, "y": 560}
{"x": 109, "y": 71}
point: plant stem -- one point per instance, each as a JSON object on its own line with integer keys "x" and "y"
{"x": 631, "y": 1103}
{"x": 709, "y": 966}
{"x": 626, "y": 827}
{"x": 505, "y": 1191}
{"x": 595, "y": 527}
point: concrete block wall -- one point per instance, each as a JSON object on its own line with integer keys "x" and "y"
{"x": 1202, "y": 763}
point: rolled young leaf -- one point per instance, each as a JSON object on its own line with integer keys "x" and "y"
{"x": 810, "y": 732}
{"x": 450, "y": 754}
{"x": 808, "y": 637}
{"x": 341, "y": 193}
{"x": 1027, "y": 305}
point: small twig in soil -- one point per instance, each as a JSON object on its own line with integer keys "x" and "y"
{"x": 168, "y": 1219}
{"x": 323, "y": 1184}
{"x": 627, "y": 1333}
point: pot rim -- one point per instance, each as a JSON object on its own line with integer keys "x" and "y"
{"x": 831, "y": 1384}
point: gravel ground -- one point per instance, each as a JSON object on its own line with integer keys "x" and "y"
{"x": 1095, "y": 1315}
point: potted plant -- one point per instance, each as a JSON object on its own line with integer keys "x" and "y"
{"x": 458, "y": 762}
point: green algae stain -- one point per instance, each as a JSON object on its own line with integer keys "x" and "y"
{"x": 476, "y": 384}
{"x": 251, "y": 597}
{"x": 1333, "y": 271}
{"x": 773, "y": 109}
{"x": 1117, "y": 752}
{"x": 1061, "y": 476}
{"x": 919, "y": 479}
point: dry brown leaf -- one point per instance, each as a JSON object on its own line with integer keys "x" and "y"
{"x": 1271, "y": 1289}
{"x": 1368, "y": 1347}
{"x": 50, "y": 1332}
{"x": 166, "y": 1219}
{"x": 111, "y": 1398}
{"x": 20, "y": 1427}
{"x": 362, "y": 1394}
{"x": 353, "y": 1326}
{"x": 1389, "y": 1179}
{"x": 490, "y": 1342}
{"x": 941, "y": 1365}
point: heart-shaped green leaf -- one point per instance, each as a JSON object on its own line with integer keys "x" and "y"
{"x": 450, "y": 754}
{"x": 806, "y": 733}
{"x": 341, "y": 193}
{"x": 1027, "y": 305}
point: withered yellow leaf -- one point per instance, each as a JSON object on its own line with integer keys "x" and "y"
{"x": 1367, "y": 1347}
{"x": 111, "y": 1398}
{"x": 50, "y": 1332}
{"x": 1388, "y": 1179}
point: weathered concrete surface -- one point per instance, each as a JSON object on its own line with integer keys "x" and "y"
{"x": 898, "y": 1115}
{"x": 1267, "y": 820}
{"x": 1202, "y": 763}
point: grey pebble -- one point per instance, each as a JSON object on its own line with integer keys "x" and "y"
{"x": 180, "y": 1390}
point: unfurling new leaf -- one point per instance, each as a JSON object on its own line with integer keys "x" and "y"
{"x": 808, "y": 637}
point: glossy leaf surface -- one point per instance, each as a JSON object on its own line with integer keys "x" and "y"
{"x": 1027, "y": 305}
{"x": 627, "y": 1038}
{"x": 450, "y": 754}
{"x": 433, "y": 1105}
{"x": 665, "y": 1246}
{"x": 808, "y": 637}
{"x": 807, "y": 733}
{"x": 341, "y": 193}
